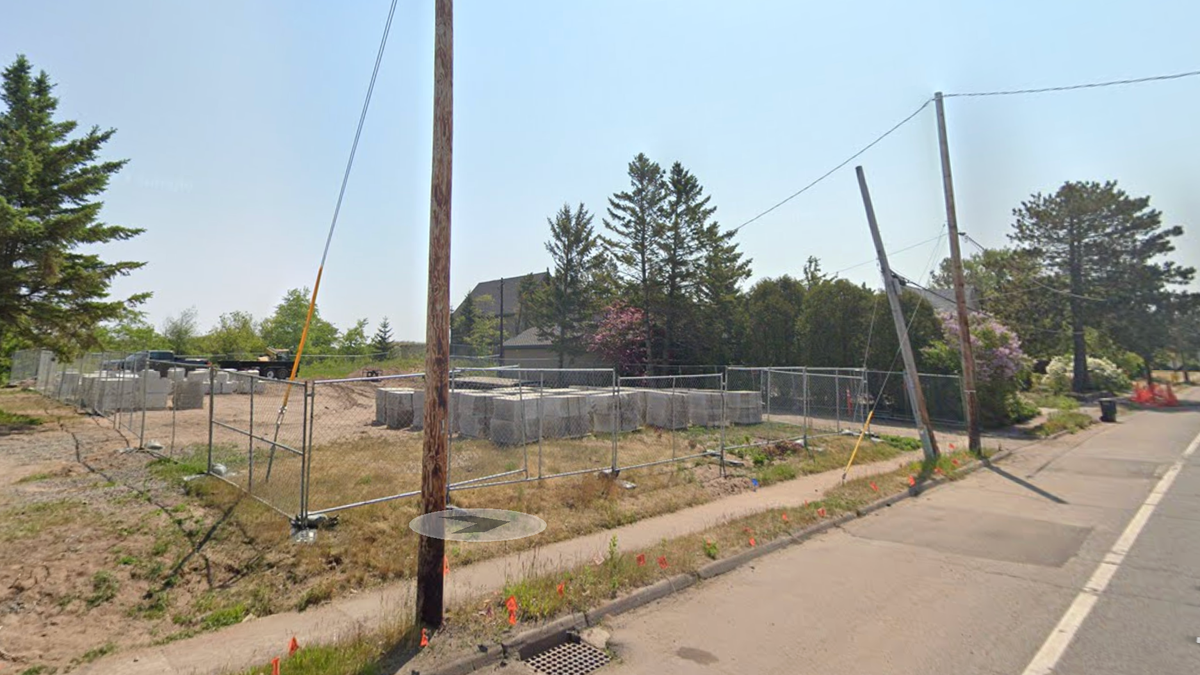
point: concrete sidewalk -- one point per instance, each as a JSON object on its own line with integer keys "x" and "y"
{"x": 969, "y": 578}
{"x": 258, "y": 641}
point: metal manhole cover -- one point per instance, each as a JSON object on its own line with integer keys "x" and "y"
{"x": 569, "y": 658}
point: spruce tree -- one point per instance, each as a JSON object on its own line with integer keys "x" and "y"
{"x": 635, "y": 219}
{"x": 567, "y": 303}
{"x": 381, "y": 342}
{"x": 51, "y": 294}
{"x": 685, "y": 216}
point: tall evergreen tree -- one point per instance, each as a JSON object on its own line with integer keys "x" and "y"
{"x": 722, "y": 272}
{"x": 685, "y": 217}
{"x": 381, "y": 342}
{"x": 562, "y": 308}
{"x": 635, "y": 219}
{"x": 51, "y": 294}
{"x": 462, "y": 323}
{"x": 1105, "y": 249}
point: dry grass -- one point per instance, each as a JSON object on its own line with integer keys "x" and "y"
{"x": 544, "y": 597}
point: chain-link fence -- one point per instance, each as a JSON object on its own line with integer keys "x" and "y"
{"x": 670, "y": 418}
{"x": 258, "y": 429}
{"x": 314, "y": 447}
{"x": 365, "y": 441}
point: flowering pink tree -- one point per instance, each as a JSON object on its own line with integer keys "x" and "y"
{"x": 620, "y": 337}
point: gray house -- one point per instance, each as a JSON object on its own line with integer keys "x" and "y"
{"x": 530, "y": 350}
{"x": 502, "y": 299}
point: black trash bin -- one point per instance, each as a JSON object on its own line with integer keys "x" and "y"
{"x": 1108, "y": 410}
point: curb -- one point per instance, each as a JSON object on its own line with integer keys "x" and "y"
{"x": 560, "y": 630}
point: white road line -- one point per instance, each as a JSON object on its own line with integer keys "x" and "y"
{"x": 1060, "y": 638}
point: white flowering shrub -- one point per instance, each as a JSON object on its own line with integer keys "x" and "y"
{"x": 1103, "y": 375}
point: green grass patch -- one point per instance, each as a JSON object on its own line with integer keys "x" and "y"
{"x": 902, "y": 443}
{"x": 29, "y": 521}
{"x": 1043, "y": 399}
{"x": 18, "y": 421}
{"x": 175, "y": 470}
{"x": 36, "y": 477}
{"x": 776, "y": 473}
{"x": 37, "y": 670}
{"x": 93, "y": 654}
{"x": 104, "y": 588}
{"x": 224, "y": 617}
{"x": 1062, "y": 420}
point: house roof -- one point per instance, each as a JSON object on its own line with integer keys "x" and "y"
{"x": 512, "y": 297}
{"x": 942, "y": 299}
{"x": 526, "y": 338}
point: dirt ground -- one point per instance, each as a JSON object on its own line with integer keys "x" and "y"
{"x": 104, "y": 548}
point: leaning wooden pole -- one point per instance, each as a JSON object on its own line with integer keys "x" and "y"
{"x": 891, "y": 287}
{"x": 966, "y": 349}
{"x": 434, "y": 460}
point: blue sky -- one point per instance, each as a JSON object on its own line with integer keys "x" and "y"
{"x": 237, "y": 118}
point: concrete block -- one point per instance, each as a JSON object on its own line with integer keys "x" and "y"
{"x": 177, "y": 374}
{"x": 667, "y": 409}
{"x": 472, "y": 413}
{"x": 744, "y": 407}
{"x": 619, "y": 412}
{"x": 565, "y": 415}
{"x": 189, "y": 395}
{"x": 68, "y": 385}
{"x": 514, "y": 420}
{"x": 156, "y": 400}
{"x": 402, "y": 408}
{"x": 704, "y": 408}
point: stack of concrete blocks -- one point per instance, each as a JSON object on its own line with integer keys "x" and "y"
{"x": 471, "y": 413}
{"x": 188, "y": 394}
{"x": 667, "y": 409}
{"x": 564, "y": 413}
{"x": 106, "y": 394}
{"x": 514, "y": 419}
{"x": 177, "y": 374}
{"x": 704, "y": 408}
{"x": 400, "y": 408}
{"x": 245, "y": 382}
{"x": 156, "y": 387}
{"x": 744, "y": 407}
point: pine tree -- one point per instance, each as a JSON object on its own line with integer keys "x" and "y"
{"x": 685, "y": 216}
{"x": 462, "y": 323}
{"x": 562, "y": 308}
{"x": 381, "y": 342}
{"x": 635, "y": 219}
{"x": 1105, "y": 249}
{"x": 722, "y": 272}
{"x": 51, "y": 294}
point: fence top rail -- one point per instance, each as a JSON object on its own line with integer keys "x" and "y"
{"x": 519, "y": 369}
{"x": 693, "y": 376}
{"x": 377, "y": 378}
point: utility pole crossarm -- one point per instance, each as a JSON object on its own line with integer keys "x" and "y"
{"x": 892, "y": 288}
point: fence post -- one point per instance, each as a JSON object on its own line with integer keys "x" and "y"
{"x": 145, "y": 381}
{"x": 212, "y": 380}
{"x": 251, "y": 446}
{"x": 672, "y": 422}
{"x": 837, "y": 400}
{"x": 541, "y": 430}
{"x": 304, "y": 450}
{"x": 724, "y": 415}
{"x": 804, "y": 423}
{"x": 616, "y": 388}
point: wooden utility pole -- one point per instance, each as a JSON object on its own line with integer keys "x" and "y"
{"x": 891, "y": 287}
{"x": 970, "y": 399}
{"x": 434, "y": 461}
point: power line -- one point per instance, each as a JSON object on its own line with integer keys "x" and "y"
{"x": 830, "y": 172}
{"x": 1072, "y": 87}
{"x": 1035, "y": 282}
{"x": 899, "y": 250}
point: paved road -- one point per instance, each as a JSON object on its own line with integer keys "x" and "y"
{"x": 971, "y": 578}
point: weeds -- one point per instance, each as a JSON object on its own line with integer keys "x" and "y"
{"x": 104, "y": 588}
{"x": 1062, "y": 420}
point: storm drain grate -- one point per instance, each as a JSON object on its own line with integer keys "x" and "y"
{"x": 569, "y": 658}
